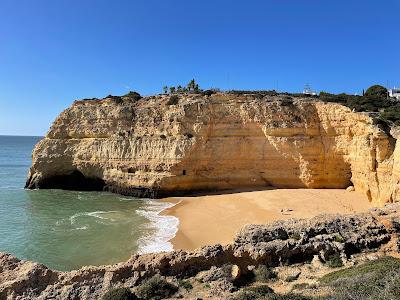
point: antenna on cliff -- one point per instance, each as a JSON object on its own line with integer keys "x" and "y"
{"x": 308, "y": 91}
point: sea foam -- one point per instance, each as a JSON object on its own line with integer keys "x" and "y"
{"x": 163, "y": 228}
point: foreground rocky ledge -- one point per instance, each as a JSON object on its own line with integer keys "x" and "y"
{"x": 280, "y": 243}
{"x": 155, "y": 147}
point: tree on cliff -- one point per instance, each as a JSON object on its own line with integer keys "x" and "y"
{"x": 191, "y": 85}
{"x": 376, "y": 91}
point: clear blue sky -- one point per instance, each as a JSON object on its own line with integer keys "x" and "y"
{"x": 55, "y": 51}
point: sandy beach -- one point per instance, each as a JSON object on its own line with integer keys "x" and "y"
{"x": 205, "y": 220}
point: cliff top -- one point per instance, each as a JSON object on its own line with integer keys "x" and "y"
{"x": 384, "y": 110}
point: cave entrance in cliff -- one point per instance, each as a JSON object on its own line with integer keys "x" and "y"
{"x": 75, "y": 180}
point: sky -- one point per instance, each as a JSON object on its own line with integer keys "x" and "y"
{"x": 53, "y": 52}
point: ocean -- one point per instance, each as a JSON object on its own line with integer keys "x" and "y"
{"x": 67, "y": 229}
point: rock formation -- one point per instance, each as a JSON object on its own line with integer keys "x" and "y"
{"x": 148, "y": 148}
{"x": 279, "y": 243}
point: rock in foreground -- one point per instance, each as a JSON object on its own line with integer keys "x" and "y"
{"x": 280, "y": 243}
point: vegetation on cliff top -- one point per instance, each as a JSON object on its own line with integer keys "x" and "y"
{"x": 373, "y": 280}
{"x": 190, "y": 87}
{"x": 119, "y": 294}
{"x": 374, "y": 100}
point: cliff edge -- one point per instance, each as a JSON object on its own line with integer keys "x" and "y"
{"x": 155, "y": 147}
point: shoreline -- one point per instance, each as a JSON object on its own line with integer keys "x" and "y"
{"x": 215, "y": 219}
{"x": 164, "y": 227}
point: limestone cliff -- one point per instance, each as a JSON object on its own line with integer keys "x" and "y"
{"x": 223, "y": 141}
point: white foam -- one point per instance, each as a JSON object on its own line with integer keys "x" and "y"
{"x": 164, "y": 227}
{"x": 7, "y": 187}
{"x": 127, "y": 199}
{"x": 81, "y": 228}
{"x": 95, "y": 214}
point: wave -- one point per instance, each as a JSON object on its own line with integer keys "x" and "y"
{"x": 95, "y": 214}
{"x": 127, "y": 199}
{"x": 163, "y": 228}
{"x": 80, "y": 228}
{"x": 10, "y": 187}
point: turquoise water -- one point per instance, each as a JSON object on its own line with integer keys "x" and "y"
{"x": 66, "y": 229}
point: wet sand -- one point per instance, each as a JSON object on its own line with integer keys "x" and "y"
{"x": 205, "y": 220}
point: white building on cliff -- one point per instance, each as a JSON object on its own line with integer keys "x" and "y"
{"x": 308, "y": 90}
{"x": 394, "y": 93}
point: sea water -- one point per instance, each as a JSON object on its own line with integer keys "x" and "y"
{"x": 68, "y": 229}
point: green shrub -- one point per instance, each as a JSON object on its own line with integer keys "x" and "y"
{"x": 334, "y": 260}
{"x": 376, "y": 91}
{"x": 256, "y": 292}
{"x": 119, "y": 294}
{"x": 381, "y": 265}
{"x": 266, "y": 293}
{"x": 156, "y": 288}
{"x": 185, "y": 284}
{"x": 263, "y": 273}
{"x": 208, "y": 92}
{"x": 295, "y": 236}
{"x": 339, "y": 238}
{"x": 289, "y": 297}
{"x": 90, "y": 99}
{"x": 286, "y": 102}
{"x": 173, "y": 100}
{"x": 374, "y": 100}
{"x": 264, "y": 93}
{"x": 115, "y": 99}
{"x": 133, "y": 95}
{"x": 375, "y": 280}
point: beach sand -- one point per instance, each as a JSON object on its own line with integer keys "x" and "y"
{"x": 207, "y": 220}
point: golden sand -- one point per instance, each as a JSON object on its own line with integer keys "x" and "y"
{"x": 207, "y": 220}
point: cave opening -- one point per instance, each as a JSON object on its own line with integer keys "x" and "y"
{"x": 73, "y": 181}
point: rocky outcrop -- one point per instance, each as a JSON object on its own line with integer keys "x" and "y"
{"x": 206, "y": 143}
{"x": 277, "y": 244}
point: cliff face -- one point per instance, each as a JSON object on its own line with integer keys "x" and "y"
{"x": 223, "y": 141}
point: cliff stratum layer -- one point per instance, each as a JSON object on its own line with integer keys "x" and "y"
{"x": 151, "y": 148}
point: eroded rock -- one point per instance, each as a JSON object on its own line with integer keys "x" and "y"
{"x": 147, "y": 148}
{"x": 271, "y": 245}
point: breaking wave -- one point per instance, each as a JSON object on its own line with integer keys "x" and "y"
{"x": 162, "y": 228}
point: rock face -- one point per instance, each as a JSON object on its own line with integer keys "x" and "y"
{"x": 277, "y": 244}
{"x": 206, "y": 143}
